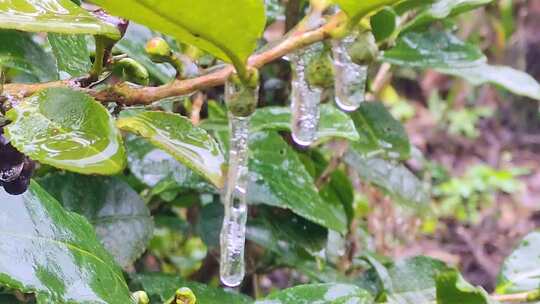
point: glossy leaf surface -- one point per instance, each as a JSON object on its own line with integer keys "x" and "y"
{"x": 71, "y": 52}
{"x": 280, "y": 179}
{"x": 163, "y": 287}
{"x": 358, "y": 9}
{"x": 521, "y": 270}
{"x": 58, "y": 16}
{"x": 207, "y": 24}
{"x": 452, "y": 288}
{"x": 67, "y": 129}
{"x": 333, "y": 123}
{"x": 320, "y": 294}
{"x": 190, "y": 145}
{"x": 119, "y": 215}
{"x": 25, "y": 56}
{"x": 55, "y": 253}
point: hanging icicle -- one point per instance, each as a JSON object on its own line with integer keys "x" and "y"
{"x": 305, "y": 97}
{"x": 242, "y": 101}
{"x": 350, "y": 78}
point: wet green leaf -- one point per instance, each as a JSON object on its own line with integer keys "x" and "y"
{"x": 452, "y": 289}
{"x": 157, "y": 168}
{"x": 333, "y": 123}
{"x": 359, "y": 9}
{"x": 71, "y": 52}
{"x": 206, "y": 24}
{"x": 433, "y": 49}
{"x": 19, "y": 52}
{"x": 279, "y": 178}
{"x": 521, "y": 270}
{"x": 442, "y": 9}
{"x": 55, "y": 253}
{"x": 162, "y": 287}
{"x": 58, "y": 16}
{"x": 320, "y": 294}
{"x": 119, "y": 215}
{"x": 513, "y": 80}
{"x": 392, "y": 177}
{"x": 384, "y": 23}
{"x": 380, "y": 133}
{"x": 67, "y": 129}
{"x": 190, "y": 145}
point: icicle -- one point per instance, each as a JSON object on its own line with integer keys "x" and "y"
{"x": 350, "y": 78}
{"x": 305, "y": 100}
{"x": 233, "y": 232}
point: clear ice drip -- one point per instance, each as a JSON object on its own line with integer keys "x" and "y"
{"x": 305, "y": 101}
{"x": 350, "y": 78}
{"x": 233, "y": 231}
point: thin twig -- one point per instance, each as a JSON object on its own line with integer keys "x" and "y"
{"x": 130, "y": 94}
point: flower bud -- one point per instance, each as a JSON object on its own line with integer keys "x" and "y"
{"x": 159, "y": 50}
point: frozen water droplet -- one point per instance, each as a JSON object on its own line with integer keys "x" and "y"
{"x": 233, "y": 231}
{"x": 305, "y": 101}
{"x": 350, "y": 78}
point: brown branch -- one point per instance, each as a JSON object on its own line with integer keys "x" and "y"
{"x": 129, "y": 94}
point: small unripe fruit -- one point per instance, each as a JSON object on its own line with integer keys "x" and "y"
{"x": 159, "y": 50}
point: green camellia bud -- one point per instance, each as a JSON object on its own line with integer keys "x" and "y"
{"x": 319, "y": 70}
{"x": 159, "y": 50}
{"x": 184, "y": 295}
{"x": 364, "y": 49}
{"x": 133, "y": 71}
{"x": 140, "y": 297}
{"x": 242, "y": 97}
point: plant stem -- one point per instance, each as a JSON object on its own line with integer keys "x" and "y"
{"x": 524, "y": 297}
{"x": 97, "y": 67}
{"x": 124, "y": 93}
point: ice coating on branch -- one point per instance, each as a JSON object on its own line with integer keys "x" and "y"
{"x": 305, "y": 100}
{"x": 350, "y": 78}
{"x": 233, "y": 231}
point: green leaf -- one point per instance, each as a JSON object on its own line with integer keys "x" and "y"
{"x": 278, "y": 178}
{"x": 71, "y": 52}
{"x": 384, "y": 24}
{"x": 443, "y": 9}
{"x": 320, "y": 294}
{"x": 285, "y": 233}
{"x": 67, "y": 129}
{"x": 190, "y": 145}
{"x": 207, "y": 24}
{"x": 447, "y": 54}
{"x": 19, "y": 52}
{"x": 433, "y": 49}
{"x": 57, "y": 16}
{"x": 163, "y": 286}
{"x": 380, "y": 132}
{"x": 392, "y": 177}
{"x": 55, "y": 253}
{"x": 521, "y": 270}
{"x": 452, "y": 289}
{"x": 119, "y": 215}
{"x": 333, "y": 123}
{"x": 513, "y": 80}
{"x": 155, "y": 168}
{"x": 133, "y": 45}
{"x": 359, "y": 9}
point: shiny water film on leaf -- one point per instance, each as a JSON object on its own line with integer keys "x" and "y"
{"x": 57, "y": 16}
{"x": 55, "y": 253}
{"x": 190, "y": 145}
{"x": 206, "y": 24}
{"x": 320, "y": 294}
{"x": 72, "y": 55}
{"x": 119, "y": 215}
{"x": 68, "y": 130}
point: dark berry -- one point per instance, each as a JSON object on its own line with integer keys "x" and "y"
{"x": 20, "y": 184}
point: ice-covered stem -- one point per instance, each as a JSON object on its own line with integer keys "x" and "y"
{"x": 126, "y": 94}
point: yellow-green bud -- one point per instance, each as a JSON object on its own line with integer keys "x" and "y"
{"x": 319, "y": 71}
{"x": 158, "y": 49}
{"x": 140, "y": 297}
{"x": 184, "y": 295}
{"x": 133, "y": 71}
{"x": 241, "y": 96}
{"x": 364, "y": 49}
